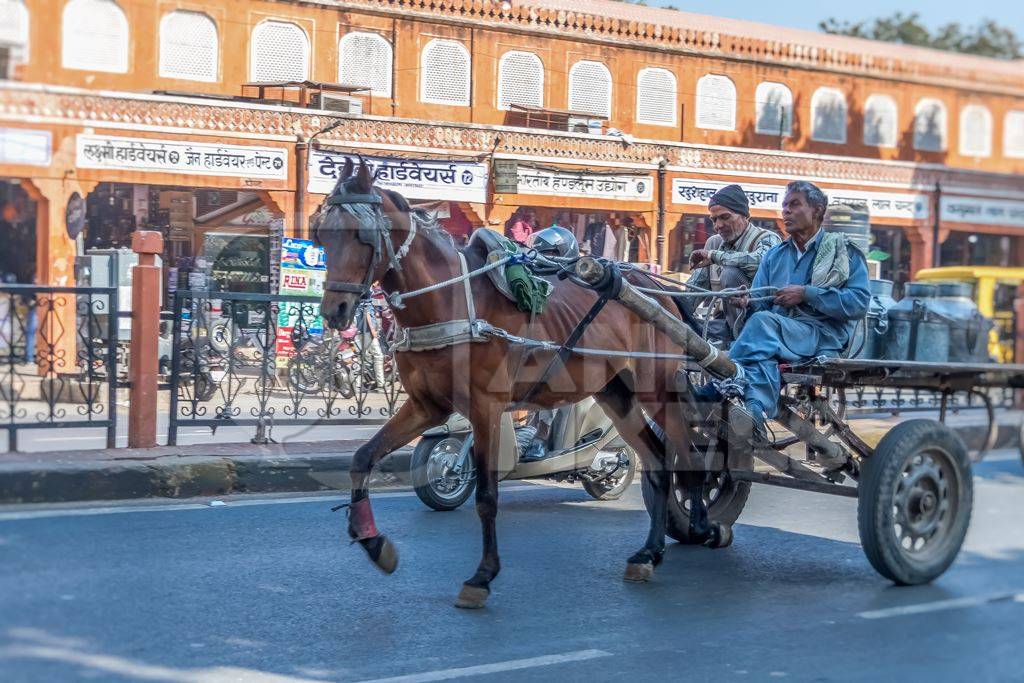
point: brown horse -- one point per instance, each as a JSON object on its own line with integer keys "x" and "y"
{"x": 369, "y": 235}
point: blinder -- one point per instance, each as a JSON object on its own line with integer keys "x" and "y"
{"x": 374, "y": 231}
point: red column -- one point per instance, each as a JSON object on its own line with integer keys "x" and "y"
{"x": 143, "y": 358}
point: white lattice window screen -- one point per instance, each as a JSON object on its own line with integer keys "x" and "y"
{"x": 94, "y": 35}
{"x": 1013, "y": 134}
{"x": 656, "y": 97}
{"x": 279, "y": 51}
{"x": 445, "y": 73}
{"x": 930, "y": 126}
{"x": 188, "y": 46}
{"x": 880, "y": 121}
{"x": 828, "y": 116}
{"x": 14, "y": 29}
{"x": 716, "y": 103}
{"x": 975, "y": 131}
{"x": 590, "y": 89}
{"x": 774, "y": 109}
{"x": 520, "y": 80}
{"x": 364, "y": 60}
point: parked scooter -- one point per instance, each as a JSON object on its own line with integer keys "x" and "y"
{"x": 583, "y": 446}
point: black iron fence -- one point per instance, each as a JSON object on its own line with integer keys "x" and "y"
{"x": 258, "y": 360}
{"x": 58, "y": 359}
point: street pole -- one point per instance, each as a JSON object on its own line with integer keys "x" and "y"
{"x": 144, "y": 352}
{"x": 661, "y": 216}
{"x": 299, "y": 214}
{"x": 937, "y": 227}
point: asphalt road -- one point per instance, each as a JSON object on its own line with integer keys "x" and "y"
{"x": 262, "y": 589}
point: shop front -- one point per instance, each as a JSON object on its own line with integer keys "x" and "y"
{"x": 610, "y": 213}
{"x": 981, "y": 231}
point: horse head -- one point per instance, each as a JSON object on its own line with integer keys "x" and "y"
{"x": 354, "y": 226}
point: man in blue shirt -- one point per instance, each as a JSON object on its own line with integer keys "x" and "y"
{"x": 802, "y": 320}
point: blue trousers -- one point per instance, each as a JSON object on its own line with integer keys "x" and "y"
{"x": 766, "y": 339}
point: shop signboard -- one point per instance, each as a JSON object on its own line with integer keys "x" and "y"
{"x": 25, "y": 146}
{"x": 565, "y": 183}
{"x": 506, "y": 176}
{"x": 982, "y": 211}
{"x": 303, "y": 271}
{"x": 430, "y": 179}
{"x": 769, "y": 198}
{"x": 175, "y": 156}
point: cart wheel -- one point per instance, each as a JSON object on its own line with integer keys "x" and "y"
{"x": 724, "y": 497}
{"x": 915, "y": 501}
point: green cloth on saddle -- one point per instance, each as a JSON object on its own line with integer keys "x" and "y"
{"x": 531, "y": 293}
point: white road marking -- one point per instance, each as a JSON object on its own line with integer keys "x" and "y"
{"x": 79, "y": 511}
{"x": 497, "y": 667}
{"x": 940, "y": 605}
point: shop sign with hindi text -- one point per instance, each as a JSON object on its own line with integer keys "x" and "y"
{"x": 174, "y": 156}
{"x": 565, "y": 183}
{"x": 982, "y": 211}
{"x": 769, "y": 198}
{"x": 429, "y": 179}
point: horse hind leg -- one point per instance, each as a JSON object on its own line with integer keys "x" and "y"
{"x": 410, "y": 421}
{"x": 622, "y": 408}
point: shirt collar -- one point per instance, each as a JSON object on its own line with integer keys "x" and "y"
{"x": 811, "y": 243}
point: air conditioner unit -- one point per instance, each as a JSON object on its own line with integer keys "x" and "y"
{"x": 579, "y": 124}
{"x": 339, "y": 103}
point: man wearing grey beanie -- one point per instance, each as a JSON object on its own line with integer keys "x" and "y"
{"x": 730, "y": 258}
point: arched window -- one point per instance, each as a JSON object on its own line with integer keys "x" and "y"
{"x": 828, "y": 116}
{"x": 520, "y": 80}
{"x": 716, "y": 103}
{"x": 975, "y": 131}
{"x": 930, "y": 126}
{"x": 14, "y": 29}
{"x": 590, "y": 88}
{"x": 880, "y": 124}
{"x": 365, "y": 61}
{"x": 774, "y": 109}
{"x": 444, "y": 73}
{"x": 1013, "y": 134}
{"x": 94, "y": 36}
{"x": 278, "y": 51}
{"x": 656, "y": 97}
{"x": 188, "y": 46}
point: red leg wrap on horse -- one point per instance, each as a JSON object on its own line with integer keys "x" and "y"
{"x": 360, "y": 520}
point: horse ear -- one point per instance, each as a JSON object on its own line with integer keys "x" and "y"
{"x": 364, "y": 178}
{"x": 346, "y": 170}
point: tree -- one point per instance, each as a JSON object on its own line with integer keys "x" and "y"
{"x": 988, "y": 38}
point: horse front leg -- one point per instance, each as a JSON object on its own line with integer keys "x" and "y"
{"x": 486, "y": 444}
{"x": 410, "y": 421}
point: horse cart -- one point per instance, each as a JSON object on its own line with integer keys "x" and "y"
{"x": 914, "y": 488}
{"x": 468, "y": 349}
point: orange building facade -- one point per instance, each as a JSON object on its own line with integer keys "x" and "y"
{"x": 613, "y": 119}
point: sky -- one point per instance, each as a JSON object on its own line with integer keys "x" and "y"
{"x": 803, "y": 14}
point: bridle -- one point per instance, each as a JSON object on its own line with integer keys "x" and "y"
{"x": 374, "y": 230}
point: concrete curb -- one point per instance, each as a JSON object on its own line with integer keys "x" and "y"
{"x": 184, "y": 476}
{"x": 221, "y": 469}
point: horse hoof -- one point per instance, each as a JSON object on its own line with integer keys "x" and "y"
{"x": 472, "y": 597}
{"x": 721, "y": 536}
{"x": 639, "y": 572}
{"x": 381, "y": 552}
{"x": 387, "y": 559}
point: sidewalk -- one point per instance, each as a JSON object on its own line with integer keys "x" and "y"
{"x": 220, "y": 469}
